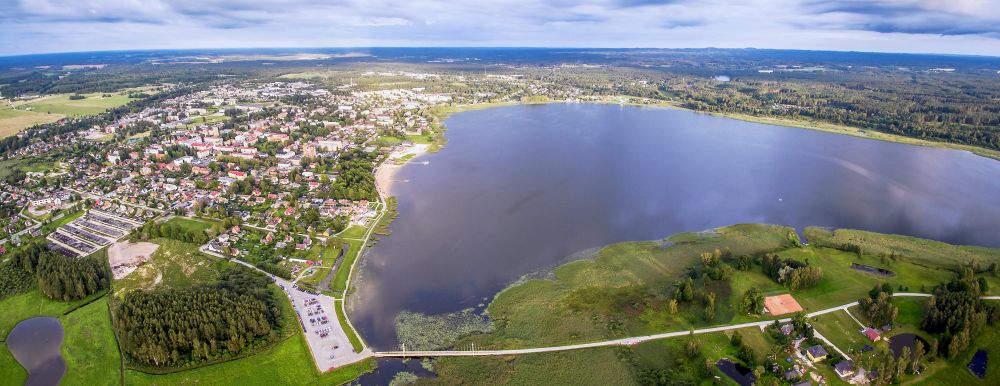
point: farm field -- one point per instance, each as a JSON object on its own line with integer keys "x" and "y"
{"x": 17, "y": 116}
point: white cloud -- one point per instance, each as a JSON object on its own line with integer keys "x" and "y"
{"x": 900, "y": 25}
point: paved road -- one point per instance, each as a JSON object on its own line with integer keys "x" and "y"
{"x": 629, "y": 341}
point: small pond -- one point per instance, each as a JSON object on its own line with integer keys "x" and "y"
{"x": 35, "y": 344}
{"x": 896, "y": 343}
{"x": 978, "y": 364}
{"x": 739, "y": 373}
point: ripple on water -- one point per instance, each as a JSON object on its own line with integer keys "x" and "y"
{"x": 35, "y": 344}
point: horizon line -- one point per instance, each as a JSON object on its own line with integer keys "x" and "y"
{"x": 5, "y": 56}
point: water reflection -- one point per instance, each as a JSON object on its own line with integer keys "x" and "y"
{"x": 35, "y": 344}
{"x": 519, "y": 188}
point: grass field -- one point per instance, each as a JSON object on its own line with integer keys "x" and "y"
{"x": 89, "y": 347}
{"x": 288, "y": 363}
{"x": 175, "y": 264}
{"x": 20, "y": 307}
{"x": 353, "y": 232}
{"x": 94, "y": 103}
{"x": 840, "y": 329}
{"x": 917, "y": 251}
{"x": 52, "y": 108}
{"x": 11, "y": 372}
{"x": 190, "y": 224}
{"x": 589, "y": 296}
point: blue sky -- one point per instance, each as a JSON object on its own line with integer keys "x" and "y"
{"x": 941, "y": 26}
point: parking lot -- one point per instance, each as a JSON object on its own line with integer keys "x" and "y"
{"x": 327, "y": 340}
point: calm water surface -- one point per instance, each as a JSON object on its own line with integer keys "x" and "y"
{"x": 519, "y": 188}
{"x": 35, "y": 344}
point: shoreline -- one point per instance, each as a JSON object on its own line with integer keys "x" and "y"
{"x": 385, "y": 173}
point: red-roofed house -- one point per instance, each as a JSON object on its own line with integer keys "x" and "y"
{"x": 872, "y": 334}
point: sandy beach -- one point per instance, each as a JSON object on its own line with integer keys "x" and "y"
{"x": 386, "y": 173}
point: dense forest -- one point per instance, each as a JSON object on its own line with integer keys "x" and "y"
{"x": 60, "y": 277}
{"x": 956, "y": 313}
{"x": 14, "y": 279}
{"x": 186, "y": 326}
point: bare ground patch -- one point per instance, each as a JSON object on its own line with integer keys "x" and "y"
{"x": 125, "y": 257}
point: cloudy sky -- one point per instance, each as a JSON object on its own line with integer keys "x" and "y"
{"x": 942, "y": 26}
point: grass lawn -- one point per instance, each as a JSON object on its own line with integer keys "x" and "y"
{"x": 840, "y": 329}
{"x": 911, "y": 311}
{"x": 288, "y": 363}
{"x": 28, "y": 305}
{"x": 353, "y": 232}
{"x": 190, "y": 224}
{"x": 11, "y": 372}
{"x": 175, "y": 264}
{"x": 89, "y": 347}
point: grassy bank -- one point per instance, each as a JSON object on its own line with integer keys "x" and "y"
{"x": 339, "y": 284}
{"x": 11, "y": 372}
{"x": 351, "y": 334}
{"x": 624, "y": 291}
{"x": 31, "y": 304}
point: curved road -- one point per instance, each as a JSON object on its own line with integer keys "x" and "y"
{"x": 628, "y": 341}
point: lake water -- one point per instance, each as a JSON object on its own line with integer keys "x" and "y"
{"x": 520, "y": 188}
{"x": 35, "y": 344}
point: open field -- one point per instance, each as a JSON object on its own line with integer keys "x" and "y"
{"x": 190, "y": 224}
{"x": 590, "y": 298}
{"x": 13, "y": 121}
{"x": 89, "y": 347}
{"x": 288, "y": 363}
{"x": 11, "y": 372}
{"x": 840, "y": 329}
{"x": 353, "y": 232}
{"x": 918, "y": 251}
{"x": 27, "y": 305}
{"x": 51, "y": 108}
{"x": 175, "y": 264}
{"x": 94, "y": 103}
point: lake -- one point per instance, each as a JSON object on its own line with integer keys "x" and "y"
{"x": 35, "y": 344}
{"x": 519, "y": 189}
